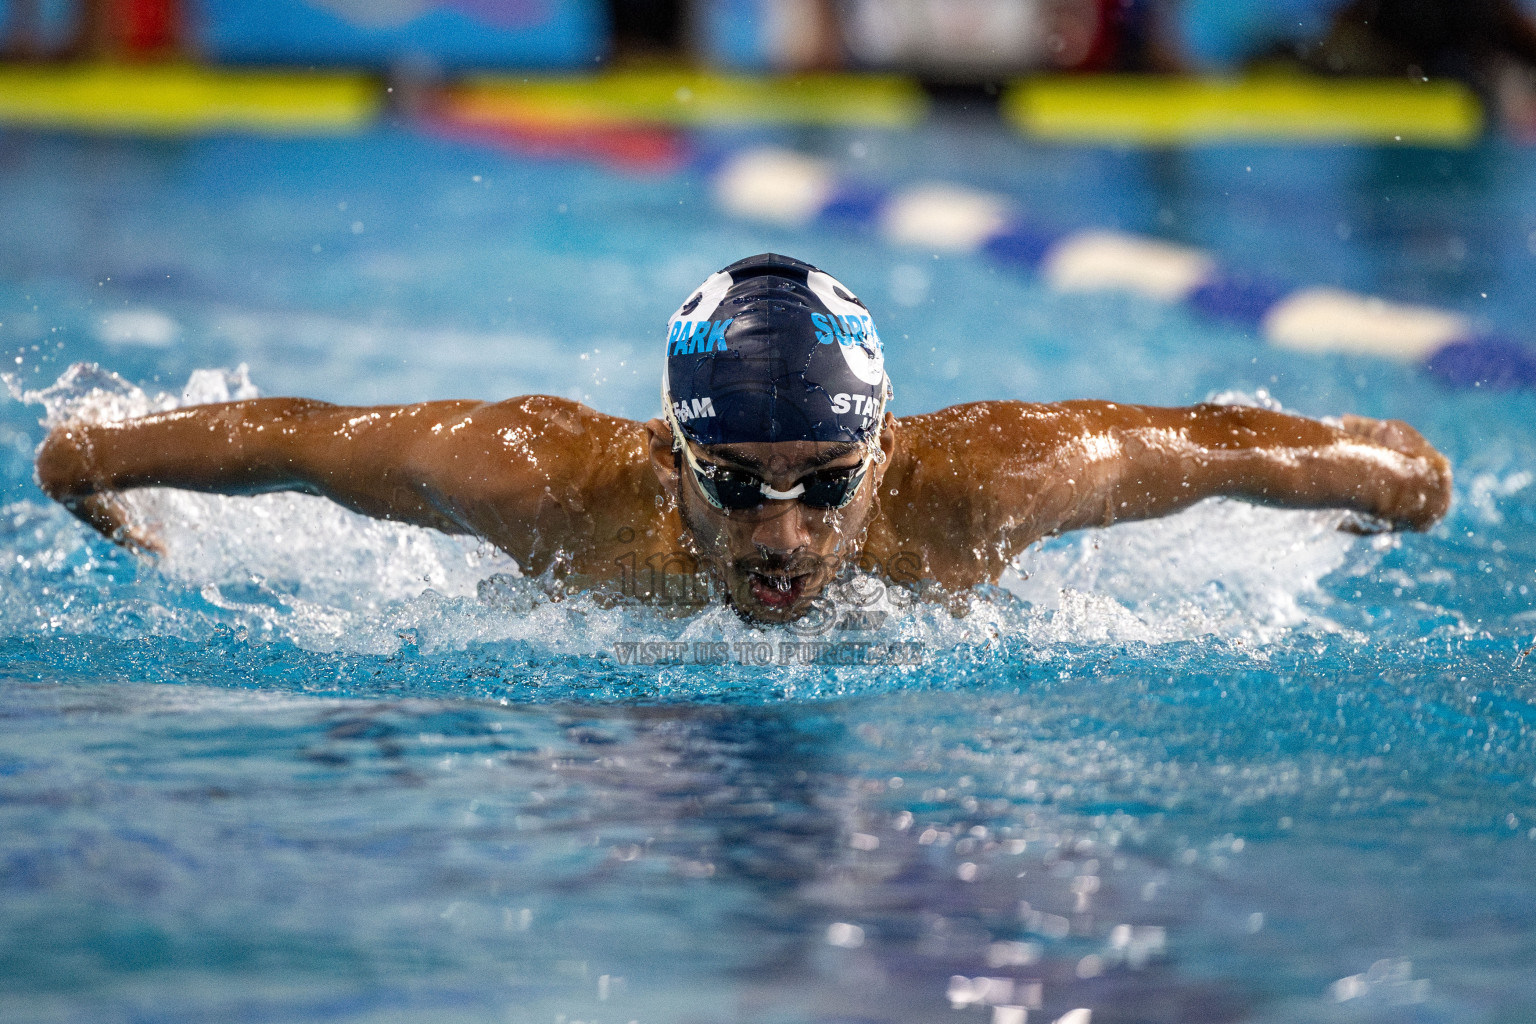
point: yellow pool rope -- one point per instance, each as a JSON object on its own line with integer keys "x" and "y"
{"x": 179, "y": 99}
{"x": 173, "y": 99}
{"x": 1134, "y": 110}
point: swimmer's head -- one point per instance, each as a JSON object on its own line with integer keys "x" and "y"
{"x": 772, "y": 349}
{"x": 774, "y": 393}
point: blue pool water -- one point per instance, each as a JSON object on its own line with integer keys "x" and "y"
{"x": 1232, "y": 766}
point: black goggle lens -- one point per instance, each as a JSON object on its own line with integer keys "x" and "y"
{"x": 831, "y": 488}
{"x": 739, "y": 491}
{"x": 733, "y": 490}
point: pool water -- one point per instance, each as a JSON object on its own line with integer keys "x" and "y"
{"x": 1231, "y": 766}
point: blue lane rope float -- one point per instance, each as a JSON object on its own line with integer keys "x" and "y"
{"x": 794, "y": 190}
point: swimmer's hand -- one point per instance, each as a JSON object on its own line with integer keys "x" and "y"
{"x": 107, "y": 515}
{"x": 1423, "y": 495}
{"x": 65, "y": 473}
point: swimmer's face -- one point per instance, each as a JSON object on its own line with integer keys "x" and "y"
{"x": 775, "y": 560}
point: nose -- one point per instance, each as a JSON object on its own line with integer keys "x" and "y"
{"x": 782, "y": 532}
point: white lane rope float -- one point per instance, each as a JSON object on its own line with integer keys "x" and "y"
{"x": 791, "y": 189}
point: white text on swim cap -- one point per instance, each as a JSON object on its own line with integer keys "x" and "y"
{"x": 698, "y": 408}
{"x": 864, "y": 405}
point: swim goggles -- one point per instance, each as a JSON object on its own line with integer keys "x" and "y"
{"x": 737, "y": 490}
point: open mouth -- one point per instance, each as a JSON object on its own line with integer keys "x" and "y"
{"x": 775, "y": 590}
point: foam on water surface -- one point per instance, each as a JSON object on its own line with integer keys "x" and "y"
{"x": 299, "y": 570}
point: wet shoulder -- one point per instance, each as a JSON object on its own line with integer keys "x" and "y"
{"x": 939, "y": 480}
{"x": 545, "y": 427}
{"x": 552, "y": 478}
{"x": 962, "y": 439}
{"x": 950, "y": 463}
{"x": 556, "y": 417}
{"x": 554, "y": 445}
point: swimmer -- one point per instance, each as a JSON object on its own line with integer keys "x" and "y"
{"x": 774, "y": 465}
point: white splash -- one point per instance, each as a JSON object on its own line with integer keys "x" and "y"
{"x": 302, "y": 568}
{"x": 1222, "y": 567}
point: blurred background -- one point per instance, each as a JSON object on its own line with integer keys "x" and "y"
{"x": 958, "y": 40}
{"x": 1488, "y": 44}
{"x": 1388, "y": 136}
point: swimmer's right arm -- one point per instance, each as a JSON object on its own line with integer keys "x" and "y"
{"x": 453, "y": 466}
{"x": 249, "y": 447}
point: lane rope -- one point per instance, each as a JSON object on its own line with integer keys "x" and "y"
{"x": 790, "y": 189}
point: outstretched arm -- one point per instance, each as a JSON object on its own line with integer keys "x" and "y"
{"x": 503, "y": 471}
{"x": 1104, "y": 462}
{"x": 1009, "y": 473}
{"x": 271, "y": 444}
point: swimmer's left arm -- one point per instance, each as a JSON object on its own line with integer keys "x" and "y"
{"x": 1083, "y": 464}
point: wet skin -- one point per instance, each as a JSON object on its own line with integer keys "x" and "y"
{"x": 557, "y": 485}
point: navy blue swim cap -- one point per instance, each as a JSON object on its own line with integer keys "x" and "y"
{"x": 772, "y": 349}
